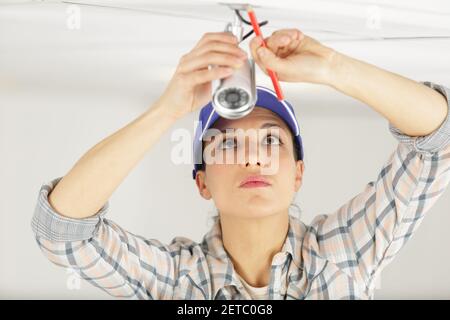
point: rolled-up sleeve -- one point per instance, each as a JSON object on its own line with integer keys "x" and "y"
{"x": 100, "y": 251}
{"x": 436, "y": 140}
{"x": 49, "y": 225}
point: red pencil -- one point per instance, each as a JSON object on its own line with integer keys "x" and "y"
{"x": 273, "y": 76}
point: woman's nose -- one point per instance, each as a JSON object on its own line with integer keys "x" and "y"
{"x": 253, "y": 156}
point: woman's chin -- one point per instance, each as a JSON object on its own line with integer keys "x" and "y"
{"x": 258, "y": 209}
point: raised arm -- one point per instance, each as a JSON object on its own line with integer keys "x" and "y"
{"x": 69, "y": 220}
{"x": 366, "y": 232}
{"x": 410, "y": 106}
{"x": 93, "y": 179}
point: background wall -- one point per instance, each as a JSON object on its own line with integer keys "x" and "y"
{"x": 62, "y": 90}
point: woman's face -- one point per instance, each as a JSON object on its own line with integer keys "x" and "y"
{"x": 259, "y": 144}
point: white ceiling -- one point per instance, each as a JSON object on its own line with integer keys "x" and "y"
{"x": 356, "y": 19}
{"x": 132, "y": 49}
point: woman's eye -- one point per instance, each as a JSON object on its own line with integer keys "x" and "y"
{"x": 227, "y": 143}
{"x": 271, "y": 139}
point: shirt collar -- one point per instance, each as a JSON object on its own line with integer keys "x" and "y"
{"x": 224, "y": 274}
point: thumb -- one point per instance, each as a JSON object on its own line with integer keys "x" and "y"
{"x": 269, "y": 59}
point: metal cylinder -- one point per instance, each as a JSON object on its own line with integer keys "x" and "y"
{"x": 234, "y": 97}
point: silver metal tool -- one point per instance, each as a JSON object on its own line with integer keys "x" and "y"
{"x": 234, "y": 97}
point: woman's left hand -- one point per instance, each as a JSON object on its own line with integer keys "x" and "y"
{"x": 294, "y": 56}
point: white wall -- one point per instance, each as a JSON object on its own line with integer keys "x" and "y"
{"x": 62, "y": 91}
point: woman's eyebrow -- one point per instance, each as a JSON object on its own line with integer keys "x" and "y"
{"x": 263, "y": 126}
{"x": 270, "y": 124}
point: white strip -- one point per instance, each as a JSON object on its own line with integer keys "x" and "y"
{"x": 287, "y": 108}
{"x": 207, "y": 123}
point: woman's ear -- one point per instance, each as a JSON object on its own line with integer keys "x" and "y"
{"x": 201, "y": 185}
{"x": 300, "y": 168}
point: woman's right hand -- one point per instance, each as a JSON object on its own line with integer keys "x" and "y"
{"x": 190, "y": 86}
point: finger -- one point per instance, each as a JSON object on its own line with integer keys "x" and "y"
{"x": 289, "y": 49}
{"x": 291, "y": 33}
{"x": 207, "y": 75}
{"x": 227, "y": 37}
{"x": 282, "y": 38}
{"x": 254, "y": 44}
{"x": 277, "y": 41}
{"x": 220, "y": 46}
{"x": 269, "y": 60}
{"x": 210, "y": 58}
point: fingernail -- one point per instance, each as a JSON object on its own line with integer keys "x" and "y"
{"x": 261, "y": 51}
{"x": 258, "y": 40}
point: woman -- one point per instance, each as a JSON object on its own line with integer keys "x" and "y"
{"x": 255, "y": 249}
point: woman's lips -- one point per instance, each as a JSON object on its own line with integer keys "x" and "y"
{"x": 254, "y": 182}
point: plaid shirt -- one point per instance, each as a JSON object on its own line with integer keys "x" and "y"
{"x": 338, "y": 256}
